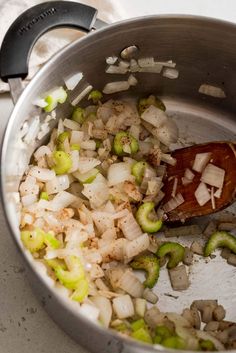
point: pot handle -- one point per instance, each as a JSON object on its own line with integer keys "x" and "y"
{"x": 33, "y": 23}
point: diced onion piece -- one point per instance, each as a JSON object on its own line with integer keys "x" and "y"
{"x": 71, "y": 124}
{"x": 102, "y": 221}
{"x": 150, "y": 296}
{"x": 154, "y": 116}
{"x": 33, "y": 130}
{"x": 61, "y": 200}
{"x": 200, "y": 161}
{"x": 213, "y": 204}
{"x": 170, "y": 73}
{"x": 111, "y": 60}
{"x": 173, "y": 203}
{"x": 167, "y": 158}
{"x": 213, "y": 176}
{"x": 136, "y": 246}
{"x": 40, "y": 102}
{"x": 82, "y": 94}
{"x": 42, "y": 174}
{"x": 168, "y": 133}
{"x": 131, "y": 284}
{"x": 97, "y": 192}
{"x": 132, "y": 80}
{"x": 189, "y": 174}
{"x": 218, "y": 193}
{"x": 105, "y": 309}
{"x": 118, "y": 173}
{"x": 202, "y": 194}
{"x": 41, "y": 152}
{"x": 130, "y": 227}
{"x": 114, "y": 69}
{"x": 186, "y": 181}
{"x": 72, "y": 81}
{"x": 89, "y": 311}
{"x": 146, "y": 62}
{"x": 57, "y": 184}
{"x": 134, "y": 67}
{"x": 76, "y": 137}
{"x": 212, "y": 91}
{"x": 118, "y": 86}
{"x": 75, "y": 161}
{"x": 174, "y": 189}
{"x": 140, "y": 305}
{"x": 28, "y": 200}
{"x": 123, "y": 306}
{"x": 86, "y": 164}
{"x": 155, "y": 69}
{"x": 135, "y": 131}
{"x": 88, "y": 145}
{"x": 168, "y": 63}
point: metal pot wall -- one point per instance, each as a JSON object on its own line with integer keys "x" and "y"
{"x": 204, "y": 52}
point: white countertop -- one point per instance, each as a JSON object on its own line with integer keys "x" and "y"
{"x": 24, "y": 325}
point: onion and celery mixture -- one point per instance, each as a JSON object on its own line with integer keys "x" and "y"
{"x": 91, "y": 205}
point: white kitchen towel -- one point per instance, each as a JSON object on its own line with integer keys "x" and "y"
{"x": 50, "y": 43}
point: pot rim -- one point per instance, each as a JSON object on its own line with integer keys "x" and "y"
{"x": 10, "y": 124}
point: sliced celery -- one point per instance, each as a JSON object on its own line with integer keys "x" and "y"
{"x": 87, "y": 178}
{"x": 82, "y": 290}
{"x": 144, "y": 221}
{"x": 44, "y": 196}
{"x": 145, "y": 103}
{"x": 174, "y": 342}
{"x": 62, "y": 161}
{"x": 207, "y": 345}
{"x": 51, "y": 241}
{"x": 175, "y": 252}
{"x": 54, "y": 97}
{"x": 220, "y": 240}
{"x": 75, "y": 147}
{"x": 56, "y": 263}
{"x": 136, "y": 325}
{"x": 150, "y": 264}
{"x": 138, "y": 170}
{"x": 142, "y": 335}
{"x": 78, "y": 115}
{"x": 33, "y": 240}
{"x": 95, "y": 95}
{"x": 70, "y": 279}
{"x": 123, "y": 139}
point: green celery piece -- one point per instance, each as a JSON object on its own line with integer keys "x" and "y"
{"x": 150, "y": 264}
{"x": 95, "y": 95}
{"x": 78, "y": 115}
{"x": 63, "y": 136}
{"x": 59, "y": 95}
{"x": 145, "y": 223}
{"x": 163, "y": 331}
{"x": 157, "y": 339}
{"x": 62, "y": 161}
{"x": 82, "y": 290}
{"x": 51, "y": 241}
{"x": 207, "y": 345}
{"x": 122, "y": 138}
{"x": 145, "y": 103}
{"x": 138, "y": 170}
{"x": 174, "y": 342}
{"x": 175, "y": 252}
{"x": 44, "y": 196}
{"x": 33, "y": 240}
{"x": 51, "y": 104}
{"x": 56, "y": 263}
{"x": 142, "y": 335}
{"x": 220, "y": 239}
{"x": 70, "y": 279}
{"x": 136, "y": 325}
{"x": 87, "y": 178}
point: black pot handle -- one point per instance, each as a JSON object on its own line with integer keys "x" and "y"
{"x": 33, "y": 23}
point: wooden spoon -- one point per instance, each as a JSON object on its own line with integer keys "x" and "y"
{"x": 223, "y": 156}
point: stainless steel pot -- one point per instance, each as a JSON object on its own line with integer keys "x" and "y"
{"x": 205, "y": 53}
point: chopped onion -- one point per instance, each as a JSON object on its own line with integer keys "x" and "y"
{"x": 123, "y": 306}
{"x": 61, "y": 200}
{"x": 146, "y": 62}
{"x": 29, "y": 186}
{"x": 130, "y": 227}
{"x": 168, "y": 63}
{"x": 136, "y": 246}
{"x": 102, "y": 221}
{"x": 200, "y": 161}
{"x": 170, "y": 73}
{"x": 218, "y": 193}
{"x": 40, "y": 102}
{"x": 168, "y": 133}
{"x": 42, "y": 174}
{"x": 150, "y": 296}
{"x": 33, "y": 130}
{"x": 75, "y": 161}
{"x": 174, "y": 189}
{"x": 82, "y": 94}
{"x": 167, "y": 158}
{"x": 132, "y": 80}
{"x": 76, "y": 137}
{"x": 89, "y": 311}
{"x": 135, "y": 131}
{"x": 189, "y": 174}
{"x": 213, "y": 176}
{"x": 97, "y": 192}
{"x": 88, "y": 145}
{"x": 140, "y": 305}
{"x": 71, "y": 124}
{"x": 41, "y": 152}
{"x": 72, "y": 81}
{"x": 28, "y": 200}
{"x": 134, "y": 67}
{"x": 155, "y": 69}
{"x": 212, "y": 91}
{"x": 186, "y": 181}
{"x": 111, "y": 60}
{"x": 86, "y": 164}
{"x": 105, "y": 309}
{"x": 202, "y": 194}
{"x": 114, "y": 69}
{"x": 207, "y": 336}
{"x": 57, "y": 184}
{"x": 118, "y": 173}
{"x": 154, "y": 116}
{"x": 213, "y": 204}
{"x": 118, "y": 86}
{"x": 154, "y": 186}
{"x": 173, "y": 203}
{"x": 131, "y": 284}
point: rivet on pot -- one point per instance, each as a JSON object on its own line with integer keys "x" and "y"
{"x": 129, "y": 52}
